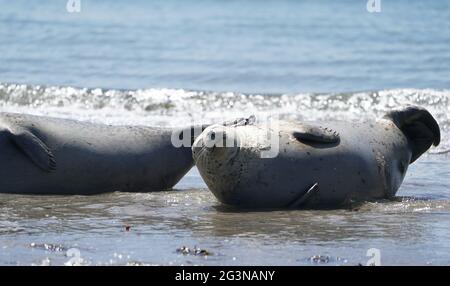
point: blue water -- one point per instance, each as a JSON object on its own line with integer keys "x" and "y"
{"x": 245, "y": 46}
{"x": 168, "y": 63}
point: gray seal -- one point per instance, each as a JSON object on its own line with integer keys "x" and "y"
{"x": 43, "y": 155}
{"x": 318, "y": 164}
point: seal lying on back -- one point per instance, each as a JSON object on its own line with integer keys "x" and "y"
{"x": 318, "y": 165}
{"x": 43, "y": 155}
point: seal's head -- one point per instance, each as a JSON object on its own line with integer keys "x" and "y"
{"x": 216, "y": 147}
{"x": 215, "y": 152}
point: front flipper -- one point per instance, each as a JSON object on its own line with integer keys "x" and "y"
{"x": 315, "y": 134}
{"x": 33, "y": 148}
{"x": 298, "y": 202}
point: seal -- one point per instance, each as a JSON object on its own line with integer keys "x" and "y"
{"x": 43, "y": 155}
{"x": 318, "y": 164}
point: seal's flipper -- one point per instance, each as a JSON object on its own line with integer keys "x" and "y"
{"x": 34, "y": 149}
{"x": 315, "y": 134}
{"x": 419, "y": 126}
{"x": 298, "y": 202}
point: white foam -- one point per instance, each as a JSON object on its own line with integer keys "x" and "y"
{"x": 177, "y": 107}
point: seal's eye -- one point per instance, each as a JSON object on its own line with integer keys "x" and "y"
{"x": 212, "y": 135}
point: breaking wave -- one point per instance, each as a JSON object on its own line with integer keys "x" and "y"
{"x": 176, "y": 107}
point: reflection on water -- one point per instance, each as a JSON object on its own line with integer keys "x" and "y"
{"x": 40, "y": 229}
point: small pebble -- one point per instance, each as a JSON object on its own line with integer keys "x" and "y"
{"x": 193, "y": 251}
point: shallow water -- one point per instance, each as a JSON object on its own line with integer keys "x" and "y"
{"x": 172, "y": 63}
{"x": 40, "y": 230}
{"x": 412, "y": 230}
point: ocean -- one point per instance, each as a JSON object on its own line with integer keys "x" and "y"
{"x": 172, "y": 62}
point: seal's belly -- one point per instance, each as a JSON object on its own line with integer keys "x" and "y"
{"x": 281, "y": 180}
{"x": 357, "y": 168}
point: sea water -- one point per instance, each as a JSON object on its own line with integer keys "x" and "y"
{"x": 169, "y": 63}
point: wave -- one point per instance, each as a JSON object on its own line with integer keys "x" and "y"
{"x": 176, "y": 107}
